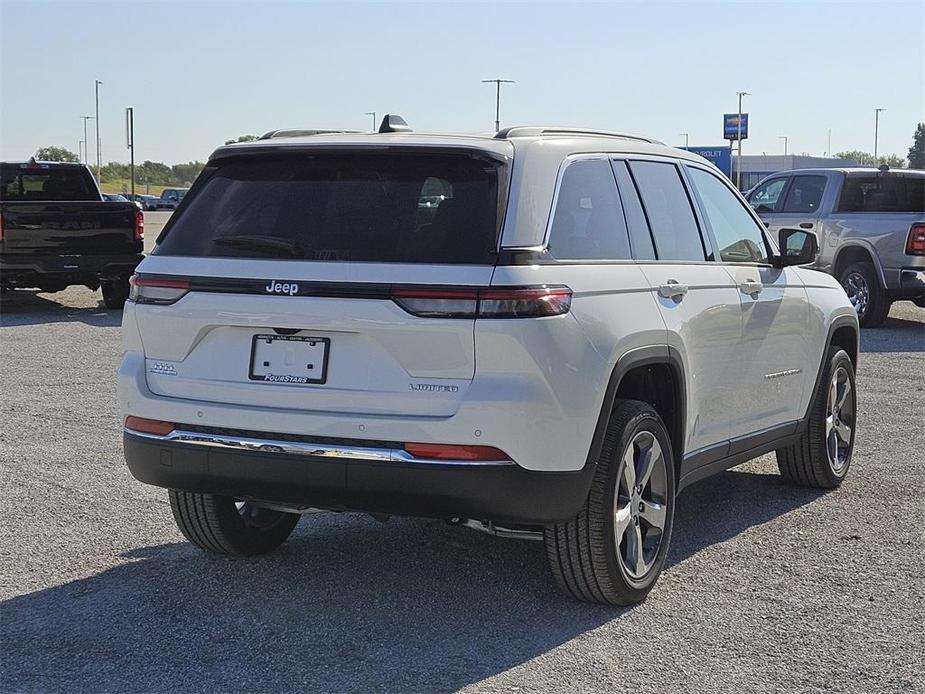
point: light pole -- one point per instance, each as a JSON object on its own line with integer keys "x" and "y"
{"x": 373, "y": 114}
{"x": 130, "y": 142}
{"x": 876, "y": 132}
{"x": 498, "y": 84}
{"x": 86, "y": 141}
{"x": 739, "y": 140}
{"x": 99, "y": 152}
{"x": 784, "y": 138}
{"x": 80, "y": 150}
{"x": 687, "y": 140}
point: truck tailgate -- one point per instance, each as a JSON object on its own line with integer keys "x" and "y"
{"x": 69, "y": 228}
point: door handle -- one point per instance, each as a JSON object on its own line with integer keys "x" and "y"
{"x": 806, "y": 225}
{"x": 672, "y": 290}
{"x": 751, "y": 287}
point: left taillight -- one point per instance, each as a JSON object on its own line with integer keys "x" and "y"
{"x": 139, "y": 225}
{"x": 156, "y": 290}
{"x": 487, "y": 302}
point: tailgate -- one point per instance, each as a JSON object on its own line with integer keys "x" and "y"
{"x": 63, "y": 228}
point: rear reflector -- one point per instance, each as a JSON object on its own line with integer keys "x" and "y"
{"x": 490, "y": 302}
{"x": 153, "y": 290}
{"x": 440, "y": 451}
{"x": 148, "y": 426}
{"x": 915, "y": 242}
{"x": 139, "y": 225}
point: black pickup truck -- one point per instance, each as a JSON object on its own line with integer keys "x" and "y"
{"x": 56, "y": 230}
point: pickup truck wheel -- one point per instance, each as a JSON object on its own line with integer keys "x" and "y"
{"x": 865, "y": 294}
{"x": 115, "y": 292}
{"x": 823, "y": 454}
{"x": 222, "y": 525}
{"x": 613, "y": 551}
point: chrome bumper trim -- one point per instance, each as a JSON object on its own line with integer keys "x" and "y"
{"x": 315, "y": 450}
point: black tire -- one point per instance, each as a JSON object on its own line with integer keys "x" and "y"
{"x": 584, "y": 554}
{"x": 216, "y": 524}
{"x": 859, "y": 279}
{"x": 115, "y": 292}
{"x": 808, "y": 462}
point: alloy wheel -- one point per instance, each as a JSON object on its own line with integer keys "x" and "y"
{"x": 839, "y": 420}
{"x": 858, "y": 291}
{"x": 640, "y": 504}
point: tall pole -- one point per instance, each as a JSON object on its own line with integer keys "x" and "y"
{"x": 739, "y": 140}
{"x": 99, "y": 150}
{"x": 784, "y": 138}
{"x": 130, "y": 141}
{"x": 877, "y": 132}
{"x": 373, "y": 114}
{"x": 80, "y": 150}
{"x": 498, "y": 84}
{"x": 86, "y": 141}
{"x": 828, "y": 145}
{"x": 687, "y": 140}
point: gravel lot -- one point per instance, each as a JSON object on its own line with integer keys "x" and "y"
{"x": 769, "y": 588}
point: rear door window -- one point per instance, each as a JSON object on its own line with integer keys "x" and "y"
{"x": 640, "y": 237}
{"x": 588, "y": 222}
{"x": 804, "y": 194}
{"x": 46, "y": 182}
{"x": 349, "y": 207}
{"x": 882, "y": 193}
{"x": 668, "y": 209}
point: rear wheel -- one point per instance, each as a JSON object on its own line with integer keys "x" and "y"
{"x": 613, "y": 551}
{"x": 823, "y": 454}
{"x": 115, "y": 292}
{"x": 223, "y": 525}
{"x": 865, "y": 293}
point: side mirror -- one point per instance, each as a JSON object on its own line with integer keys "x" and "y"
{"x": 797, "y": 247}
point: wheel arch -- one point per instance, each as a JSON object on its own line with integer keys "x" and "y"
{"x": 845, "y": 333}
{"x": 637, "y": 375}
{"x": 857, "y": 252}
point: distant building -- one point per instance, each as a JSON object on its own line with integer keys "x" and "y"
{"x": 757, "y": 166}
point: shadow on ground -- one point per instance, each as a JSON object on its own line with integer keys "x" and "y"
{"x": 896, "y": 335}
{"x": 346, "y": 604}
{"x": 30, "y": 307}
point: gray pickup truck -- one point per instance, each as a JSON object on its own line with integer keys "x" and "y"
{"x": 870, "y": 224}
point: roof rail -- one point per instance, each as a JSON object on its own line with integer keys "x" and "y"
{"x": 539, "y": 131}
{"x": 273, "y": 134}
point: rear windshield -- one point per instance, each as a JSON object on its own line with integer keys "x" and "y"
{"x": 45, "y": 182}
{"x": 883, "y": 193}
{"x": 396, "y": 207}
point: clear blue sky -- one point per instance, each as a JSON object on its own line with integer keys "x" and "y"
{"x": 198, "y": 73}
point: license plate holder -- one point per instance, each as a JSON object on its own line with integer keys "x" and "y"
{"x": 289, "y": 359}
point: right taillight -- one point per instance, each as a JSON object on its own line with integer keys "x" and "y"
{"x": 915, "y": 241}
{"x": 488, "y": 302}
{"x": 156, "y": 290}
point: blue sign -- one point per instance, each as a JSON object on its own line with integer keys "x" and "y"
{"x": 720, "y": 156}
{"x": 731, "y": 126}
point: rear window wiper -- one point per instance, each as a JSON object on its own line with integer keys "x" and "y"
{"x": 261, "y": 243}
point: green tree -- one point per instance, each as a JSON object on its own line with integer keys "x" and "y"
{"x": 867, "y": 159}
{"x": 55, "y": 154}
{"x": 184, "y": 174}
{"x": 242, "y": 138}
{"x": 916, "y": 155}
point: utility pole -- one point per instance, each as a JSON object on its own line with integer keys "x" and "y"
{"x": 877, "y": 132}
{"x": 86, "y": 141}
{"x": 739, "y": 140}
{"x": 784, "y": 138}
{"x": 498, "y": 84}
{"x": 99, "y": 150}
{"x": 130, "y": 142}
{"x": 79, "y": 150}
{"x": 828, "y": 151}
{"x": 373, "y": 114}
{"x": 687, "y": 140}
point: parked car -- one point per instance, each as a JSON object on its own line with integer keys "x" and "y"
{"x": 171, "y": 198}
{"x": 306, "y": 335}
{"x": 870, "y": 225}
{"x": 115, "y": 197}
{"x": 57, "y": 230}
{"x": 147, "y": 202}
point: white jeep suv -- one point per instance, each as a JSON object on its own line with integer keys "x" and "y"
{"x": 546, "y": 333}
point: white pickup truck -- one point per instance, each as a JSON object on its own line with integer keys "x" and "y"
{"x": 870, "y": 225}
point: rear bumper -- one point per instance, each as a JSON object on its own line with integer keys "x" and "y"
{"x": 379, "y": 481}
{"x": 23, "y": 270}
{"x": 912, "y": 283}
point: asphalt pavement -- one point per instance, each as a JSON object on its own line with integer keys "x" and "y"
{"x": 769, "y": 588}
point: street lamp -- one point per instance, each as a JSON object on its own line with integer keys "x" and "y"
{"x": 86, "y": 141}
{"x": 687, "y": 140}
{"x": 739, "y": 140}
{"x": 877, "y": 132}
{"x": 373, "y": 114}
{"x": 99, "y": 151}
{"x": 498, "y": 84}
{"x": 784, "y": 138}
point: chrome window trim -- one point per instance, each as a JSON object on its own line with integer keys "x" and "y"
{"x": 315, "y": 450}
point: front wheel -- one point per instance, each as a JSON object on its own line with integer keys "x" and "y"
{"x": 224, "y": 525}
{"x": 613, "y": 551}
